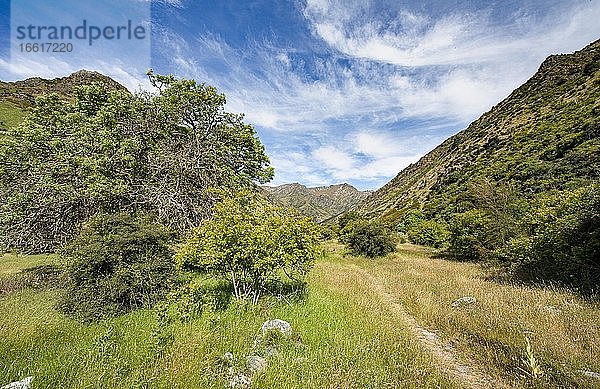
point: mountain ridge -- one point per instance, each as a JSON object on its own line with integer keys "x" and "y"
{"x": 320, "y": 203}
{"x": 17, "y": 96}
{"x": 550, "y": 122}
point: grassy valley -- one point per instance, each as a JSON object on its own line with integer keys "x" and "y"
{"x": 354, "y": 328}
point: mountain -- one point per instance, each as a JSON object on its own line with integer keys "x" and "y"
{"x": 544, "y": 136}
{"x": 16, "y": 97}
{"x": 319, "y": 203}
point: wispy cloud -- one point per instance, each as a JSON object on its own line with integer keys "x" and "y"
{"x": 365, "y": 89}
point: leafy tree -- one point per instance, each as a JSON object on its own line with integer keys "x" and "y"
{"x": 349, "y": 217}
{"x": 408, "y": 219}
{"x": 369, "y": 238}
{"x": 111, "y": 150}
{"x": 253, "y": 244}
{"x": 117, "y": 263}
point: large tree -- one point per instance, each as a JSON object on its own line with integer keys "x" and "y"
{"x": 112, "y": 150}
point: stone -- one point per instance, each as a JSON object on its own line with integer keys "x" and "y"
{"x": 228, "y": 357}
{"x": 23, "y": 384}
{"x": 240, "y": 381}
{"x": 464, "y": 301}
{"x": 590, "y": 374}
{"x": 256, "y": 364}
{"x": 277, "y": 325}
{"x": 552, "y": 309}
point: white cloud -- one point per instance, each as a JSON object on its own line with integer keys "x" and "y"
{"x": 334, "y": 158}
{"x": 414, "y": 39}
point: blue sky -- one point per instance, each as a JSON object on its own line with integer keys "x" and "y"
{"x": 338, "y": 91}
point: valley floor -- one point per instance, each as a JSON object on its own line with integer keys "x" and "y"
{"x": 384, "y": 323}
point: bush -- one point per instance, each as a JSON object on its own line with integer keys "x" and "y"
{"x": 408, "y": 219}
{"x": 347, "y": 218}
{"x": 369, "y": 238}
{"x": 468, "y": 236}
{"x": 428, "y": 233}
{"x": 117, "y": 263}
{"x": 564, "y": 244}
{"x": 253, "y": 244}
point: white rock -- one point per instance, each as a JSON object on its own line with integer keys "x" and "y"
{"x": 591, "y": 374}
{"x": 552, "y": 309}
{"x": 464, "y": 301}
{"x": 278, "y": 325}
{"x": 240, "y": 381}
{"x": 228, "y": 357}
{"x": 256, "y": 364}
{"x": 23, "y": 384}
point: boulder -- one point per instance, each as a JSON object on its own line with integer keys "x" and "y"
{"x": 277, "y": 325}
{"x": 590, "y": 374}
{"x": 240, "y": 381}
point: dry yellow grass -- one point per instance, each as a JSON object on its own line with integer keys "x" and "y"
{"x": 564, "y": 329}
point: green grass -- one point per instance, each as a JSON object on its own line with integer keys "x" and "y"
{"x": 349, "y": 333}
{"x": 10, "y": 114}
{"x": 11, "y": 264}
{"x": 347, "y": 339}
{"x": 563, "y": 327}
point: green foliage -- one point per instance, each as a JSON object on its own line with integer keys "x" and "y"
{"x": 564, "y": 241}
{"x": 468, "y": 238}
{"x": 348, "y": 217}
{"x": 110, "y": 150}
{"x": 369, "y": 238}
{"x": 253, "y": 244}
{"x": 429, "y": 233}
{"x": 196, "y": 296}
{"x": 117, "y": 263}
{"x": 408, "y": 219}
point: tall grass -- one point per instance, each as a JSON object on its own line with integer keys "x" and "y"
{"x": 563, "y": 328}
{"x": 346, "y": 338}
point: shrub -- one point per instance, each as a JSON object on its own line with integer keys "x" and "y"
{"x": 253, "y": 244}
{"x": 369, "y": 238}
{"x": 409, "y": 219}
{"x": 428, "y": 233}
{"x": 347, "y": 218}
{"x": 117, "y": 262}
{"x": 468, "y": 236}
{"x": 564, "y": 244}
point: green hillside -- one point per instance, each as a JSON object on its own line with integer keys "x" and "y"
{"x": 10, "y": 114}
{"x": 544, "y": 136}
{"x": 16, "y": 97}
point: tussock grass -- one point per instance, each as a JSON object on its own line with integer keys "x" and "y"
{"x": 562, "y": 327}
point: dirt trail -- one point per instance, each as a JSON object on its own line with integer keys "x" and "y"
{"x": 466, "y": 372}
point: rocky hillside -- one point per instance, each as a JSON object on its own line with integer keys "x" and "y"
{"x": 319, "y": 203}
{"x": 16, "y": 97}
{"x": 544, "y": 136}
